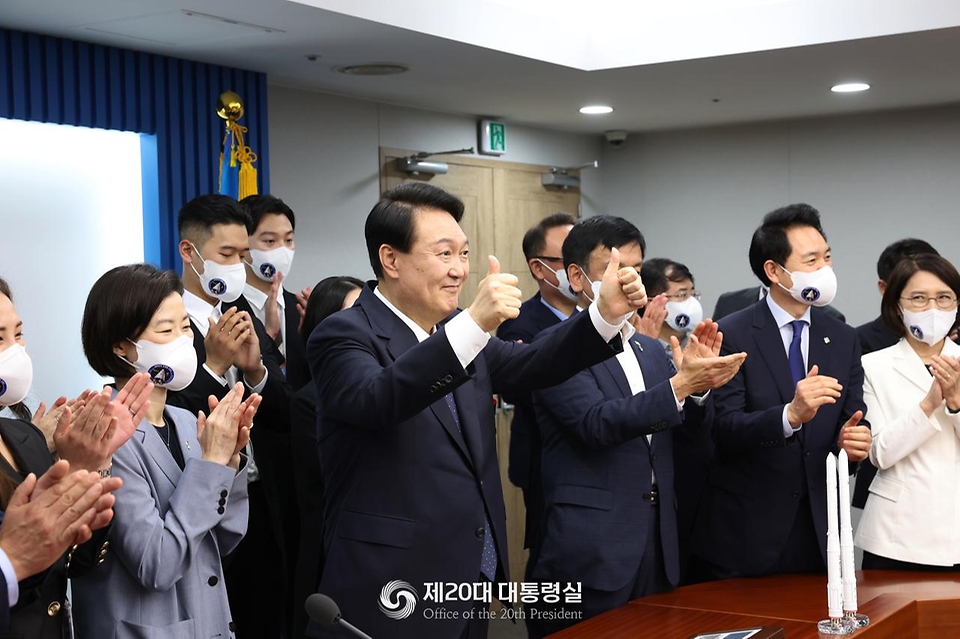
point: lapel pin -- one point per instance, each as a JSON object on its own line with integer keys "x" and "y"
{"x": 187, "y": 442}
{"x": 826, "y": 340}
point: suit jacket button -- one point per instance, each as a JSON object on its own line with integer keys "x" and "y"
{"x": 219, "y": 510}
{"x": 213, "y": 581}
{"x": 448, "y": 378}
{"x": 796, "y": 494}
{"x": 232, "y": 626}
{"x": 481, "y": 532}
{"x": 53, "y": 609}
{"x": 223, "y": 494}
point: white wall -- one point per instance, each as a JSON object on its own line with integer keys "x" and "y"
{"x": 698, "y": 195}
{"x": 73, "y": 210}
{"x": 324, "y": 162}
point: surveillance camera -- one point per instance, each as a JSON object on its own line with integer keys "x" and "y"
{"x": 616, "y": 138}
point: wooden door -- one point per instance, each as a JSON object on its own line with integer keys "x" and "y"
{"x": 501, "y": 201}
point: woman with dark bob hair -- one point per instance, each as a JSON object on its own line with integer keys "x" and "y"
{"x": 183, "y": 504}
{"x": 330, "y": 295}
{"x": 912, "y": 392}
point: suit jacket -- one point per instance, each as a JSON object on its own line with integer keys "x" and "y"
{"x": 597, "y": 466}
{"x": 164, "y": 577}
{"x": 757, "y": 476}
{"x": 408, "y": 492}
{"x": 274, "y": 411}
{"x": 733, "y": 301}
{"x": 524, "y": 457}
{"x": 873, "y": 336}
{"x": 913, "y": 499}
{"x": 298, "y": 370}
{"x": 29, "y": 618}
{"x": 308, "y": 485}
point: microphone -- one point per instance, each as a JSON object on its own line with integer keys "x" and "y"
{"x": 325, "y": 610}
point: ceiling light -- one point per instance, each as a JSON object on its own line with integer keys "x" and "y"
{"x": 851, "y": 87}
{"x": 379, "y": 68}
{"x": 597, "y": 109}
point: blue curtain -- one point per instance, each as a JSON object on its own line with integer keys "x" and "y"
{"x": 48, "y": 79}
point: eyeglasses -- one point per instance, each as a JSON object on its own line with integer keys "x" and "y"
{"x": 548, "y": 258}
{"x": 945, "y": 301}
{"x": 683, "y": 296}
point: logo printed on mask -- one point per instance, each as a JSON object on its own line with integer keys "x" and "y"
{"x": 398, "y": 599}
{"x": 917, "y": 332}
{"x": 683, "y": 320}
{"x": 3, "y": 387}
{"x": 268, "y": 270}
{"x": 217, "y": 286}
{"x": 810, "y": 294}
{"x": 160, "y": 374}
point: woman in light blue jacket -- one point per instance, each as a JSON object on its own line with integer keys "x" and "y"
{"x": 183, "y": 504}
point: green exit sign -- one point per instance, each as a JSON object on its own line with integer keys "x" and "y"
{"x": 493, "y": 137}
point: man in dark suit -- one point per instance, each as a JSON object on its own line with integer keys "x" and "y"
{"x": 875, "y": 336}
{"x": 733, "y": 301}
{"x": 608, "y": 473}
{"x": 798, "y": 396}
{"x": 542, "y": 246}
{"x": 272, "y": 246}
{"x": 272, "y": 227}
{"x": 232, "y": 345}
{"x": 406, "y": 421}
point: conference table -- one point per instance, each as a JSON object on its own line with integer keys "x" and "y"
{"x": 901, "y": 605}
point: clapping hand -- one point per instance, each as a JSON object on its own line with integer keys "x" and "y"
{"x": 855, "y": 439}
{"x": 654, "y": 314}
{"x": 226, "y": 431}
{"x": 89, "y": 439}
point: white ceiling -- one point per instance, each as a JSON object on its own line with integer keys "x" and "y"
{"x": 529, "y": 61}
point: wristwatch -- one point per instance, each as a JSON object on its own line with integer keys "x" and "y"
{"x": 105, "y": 472}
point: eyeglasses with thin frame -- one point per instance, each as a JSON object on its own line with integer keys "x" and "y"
{"x": 919, "y": 301}
{"x": 683, "y": 296}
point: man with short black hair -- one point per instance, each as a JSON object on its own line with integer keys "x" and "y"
{"x": 798, "y": 396}
{"x": 272, "y": 245}
{"x": 553, "y": 302}
{"x": 406, "y": 422}
{"x": 608, "y": 438}
{"x": 232, "y": 345}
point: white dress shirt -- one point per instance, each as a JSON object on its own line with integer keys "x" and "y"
{"x": 258, "y": 302}
{"x": 783, "y": 319}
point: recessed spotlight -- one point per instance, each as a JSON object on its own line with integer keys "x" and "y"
{"x": 851, "y": 87}
{"x": 376, "y": 68}
{"x": 597, "y": 109}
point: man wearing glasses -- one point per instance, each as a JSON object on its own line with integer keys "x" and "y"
{"x": 553, "y": 303}
{"x": 682, "y": 312}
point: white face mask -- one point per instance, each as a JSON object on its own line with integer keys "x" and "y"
{"x": 929, "y": 326}
{"x": 564, "y": 283}
{"x": 594, "y": 286}
{"x": 813, "y": 289}
{"x": 684, "y": 316}
{"x": 172, "y": 365}
{"x": 266, "y": 264}
{"x": 222, "y": 282}
{"x": 16, "y": 375}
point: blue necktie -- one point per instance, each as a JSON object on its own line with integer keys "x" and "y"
{"x": 488, "y": 563}
{"x": 795, "y": 355}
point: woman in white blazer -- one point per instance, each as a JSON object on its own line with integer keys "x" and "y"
{"x": 912, "y": 392}
{"x": 183, "y": 504}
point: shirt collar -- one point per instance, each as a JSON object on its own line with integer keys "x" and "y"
{"x": 781, "y": 317}
{"x": 418, "y": 332}
{"x": 200, "y": 310}
{"x": 553, "y": 309}
{"x": 258, "y": 299}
